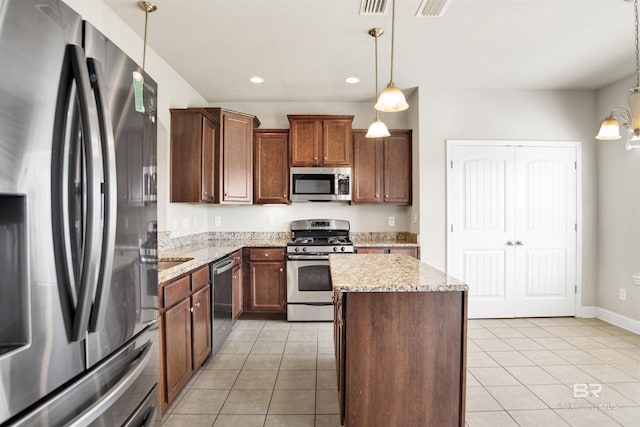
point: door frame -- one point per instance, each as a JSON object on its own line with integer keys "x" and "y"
{"x": 450, "y": 143}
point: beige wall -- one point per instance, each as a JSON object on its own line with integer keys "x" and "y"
{"x": 618, "y": 212}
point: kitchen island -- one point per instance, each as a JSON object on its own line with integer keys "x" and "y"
{"x": 400, "y": 340}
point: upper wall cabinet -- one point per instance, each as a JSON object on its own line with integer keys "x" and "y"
{"x": 382, "y": 168}
{"x": 320, "y": 140}
{"x": 212, "y": 156}
{"x": 271, "y": 172}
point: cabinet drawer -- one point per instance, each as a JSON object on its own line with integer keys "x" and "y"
{"x": 177, "y": 291}
{"x": 200, "y": 278}
{"x": 266, "y": 254}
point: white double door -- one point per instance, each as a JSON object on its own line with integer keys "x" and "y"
{"x": 512, "y": 218}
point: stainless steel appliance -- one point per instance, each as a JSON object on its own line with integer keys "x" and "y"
{"x": 77, "y": 321}
{"x": 221, "y": 301}
{"x": 309, "y": 290}
{"x": 320, "y": 184}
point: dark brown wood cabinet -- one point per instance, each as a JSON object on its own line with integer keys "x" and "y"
{"x": 266, "y": 281}
{"x": 404, "y": 369}
{"x": 236, "y": 285}
{"x": 271, "y": 171}
{"x": 320, "y": 140}
{"x": 382, "y": 169}
{"x": 212, "y": 156}
{"x": 411, "y": 251}
{"x": 185, "y": 330}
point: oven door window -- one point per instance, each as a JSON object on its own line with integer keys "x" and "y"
{"x": 313, "y": 184}
{"x": 314, "y": 278}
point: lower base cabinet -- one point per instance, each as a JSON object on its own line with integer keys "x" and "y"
{"x": 400, "y": 358}
{"x": 185, "y": 331}
{"x": 266, "y": 281}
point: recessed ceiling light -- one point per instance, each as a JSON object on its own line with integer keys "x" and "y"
{"x": 352, "y": 80}
{"x": 256, "y": 79}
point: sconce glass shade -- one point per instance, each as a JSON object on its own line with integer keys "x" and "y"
{"x": 377, "y": 129}
{"x": 609, "y": 130}
{"x": 634, "y": 106}
{"x": 392, "y": 100}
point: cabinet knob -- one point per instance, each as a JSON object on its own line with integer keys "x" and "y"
{"x": 386, "y": 195}
{"x": 509, "y": 243}
{"x": 377, "y": 196}
{"x": 205, "y": 193}
{"x": 191, "y": 309}
{"x": 281, "y": 270}
{"x": 198, "y": 305}
{"x": 519, "y": 243}
{"x": 226, "y": 194}
{"x": 266, "y": 254}
{"x": 315, "y": 158}
{"x": 325, "y": 157}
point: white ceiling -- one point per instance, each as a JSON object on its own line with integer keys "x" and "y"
{"x": 304, "y": 49}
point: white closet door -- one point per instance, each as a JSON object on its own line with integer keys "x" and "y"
{"x": 480, "y": 214}
{"x": 512, "y": 214}
{"x": 545, "y": 231}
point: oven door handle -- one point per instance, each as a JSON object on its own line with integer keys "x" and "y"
{"x": 307, "y": 257}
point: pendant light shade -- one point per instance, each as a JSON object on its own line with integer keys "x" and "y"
{"x": 377, "y": 129}
{"x": 609, "y": 129}
{"x": 392, "y": 99}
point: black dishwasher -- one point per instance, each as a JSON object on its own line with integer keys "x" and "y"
{"x": 221, "y": 301}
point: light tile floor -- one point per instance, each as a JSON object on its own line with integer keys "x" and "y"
{"x": 520, "y": 372}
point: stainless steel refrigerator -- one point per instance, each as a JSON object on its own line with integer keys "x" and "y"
{"x": 78, "y": 277}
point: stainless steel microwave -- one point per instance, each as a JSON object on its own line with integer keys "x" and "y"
{"x": 320, "y": 184}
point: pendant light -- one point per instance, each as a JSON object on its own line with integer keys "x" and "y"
{"x": 138, "y": 78}
{"x": 377, "y": 129}
{"x": 392, "y": 99}
{"x": 610, "y": 128}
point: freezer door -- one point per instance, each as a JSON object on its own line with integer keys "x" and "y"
{"x": 110, "y": 394}
{"x": 36, "y": 354}
{"x": 126, "y": 298}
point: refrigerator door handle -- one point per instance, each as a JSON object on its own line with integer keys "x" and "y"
{"x": 121, "y": 387}
{"x": 76, "y": 301}
{"x": 109, "y": 190}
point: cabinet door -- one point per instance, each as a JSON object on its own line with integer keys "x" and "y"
{"x": 237, "y": 159}
{"x": 237, "y": 291}
{"x": 208, "y": 186}
{"x": 305, "y": 139}
{"x": 271, "y": 171}
{"x": 187, "y": 152}
{"x": 177, "y": 329}
{"x": 397, "y": 169}
{"x": 407, "y": 251}
{"x": 336, "y": 142}
{"x": 268, "y": 286}
{"x": 201, "y": 324}
{"x": 367, "y": 164}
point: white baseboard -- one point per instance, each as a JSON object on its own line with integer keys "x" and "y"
{"x": 587, "y": 311}
{"x": 618, "y": 320}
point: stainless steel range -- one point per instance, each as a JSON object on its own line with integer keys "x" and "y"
{"x": 309, "y": 291}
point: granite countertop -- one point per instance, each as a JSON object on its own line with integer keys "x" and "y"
{"x": 385, "y": 243}
{"x": 203, "y": 253}
{"x": 388, "y": 273}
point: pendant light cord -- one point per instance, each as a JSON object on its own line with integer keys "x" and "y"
{"x": 393, "y": 34}
{"x": 376, "y": 47}
{"x": 144, "y": 49}
{"x": 635, "y": 6}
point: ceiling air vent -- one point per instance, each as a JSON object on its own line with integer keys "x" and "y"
{"x": 432, "y": 8}
{"x": 373, "y": 7}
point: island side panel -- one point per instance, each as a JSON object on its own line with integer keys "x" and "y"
{"x": 405, "y": 358}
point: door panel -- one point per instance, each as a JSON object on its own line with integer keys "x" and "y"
{"x": 480, "y": 213}
{"x": 545, "y": 231}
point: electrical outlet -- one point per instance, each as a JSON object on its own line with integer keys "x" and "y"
{"x": 623, "y": 294}
{"x": 392, "y": 221}
{"x": 217, "y": 221}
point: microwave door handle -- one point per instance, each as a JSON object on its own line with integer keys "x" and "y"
{"x": 109, "y": 189}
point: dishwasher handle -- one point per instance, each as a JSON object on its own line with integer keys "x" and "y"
{"x": 222, "y": 266}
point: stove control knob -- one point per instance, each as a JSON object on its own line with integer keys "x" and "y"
{"x": 335, "y": 249}
{"x": 297, "y": 249}
{"x": 342, "y": 249}
{"x": 304, "y": 249}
